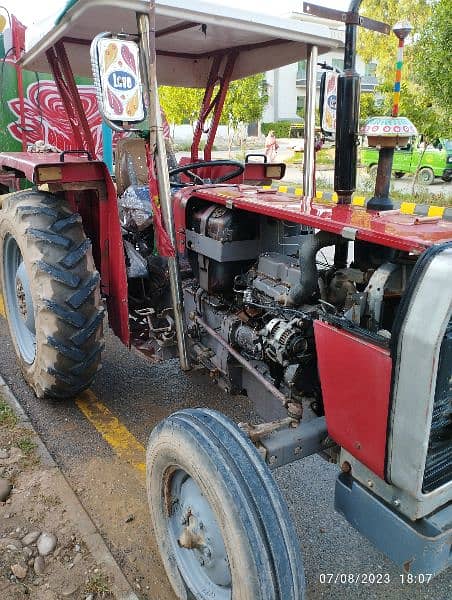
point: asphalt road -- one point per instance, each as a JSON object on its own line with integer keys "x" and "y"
{"x": 140, "y": 394}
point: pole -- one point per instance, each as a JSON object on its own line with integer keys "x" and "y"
{"x": 146, "y": 28}
{"x": 309, "y": 124}
{"x": 107, "y": 145}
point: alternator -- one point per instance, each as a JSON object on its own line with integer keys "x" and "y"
{"x": 284, "y": 341}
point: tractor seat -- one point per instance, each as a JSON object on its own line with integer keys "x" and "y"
{"x": 130, "y": 164}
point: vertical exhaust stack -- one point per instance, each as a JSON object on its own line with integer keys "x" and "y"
{"x": 388, "y": 133}
{"x": 347, "y": 121}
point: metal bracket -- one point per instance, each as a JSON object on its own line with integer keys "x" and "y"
{"x": 281, "y": 443}
{"x": 349, "y": 18}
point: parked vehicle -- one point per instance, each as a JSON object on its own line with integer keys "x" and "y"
{"x": 200, "y": 261}
{"x": 434, "y": 160}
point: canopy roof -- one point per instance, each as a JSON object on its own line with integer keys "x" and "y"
{"x": 188, "y": 36}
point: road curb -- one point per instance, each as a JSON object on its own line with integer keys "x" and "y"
{"x": 81, "y": 519}
{"x": 408, "y": 208}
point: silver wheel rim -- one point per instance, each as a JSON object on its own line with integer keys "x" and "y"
{"x": 425, "y": 176}
{"x": 19, "y": 302}
{"x": 197, "y": 541}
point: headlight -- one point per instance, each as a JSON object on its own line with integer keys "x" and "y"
{"x": 449, "y": 159}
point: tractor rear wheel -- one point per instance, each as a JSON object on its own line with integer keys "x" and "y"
{"x": 219, "y": 519}
{"x": 51, "y": 293}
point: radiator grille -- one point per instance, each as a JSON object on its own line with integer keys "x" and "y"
{"x": 438, "y": 466}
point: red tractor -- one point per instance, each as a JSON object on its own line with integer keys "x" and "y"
{"x": 346, "y": 353}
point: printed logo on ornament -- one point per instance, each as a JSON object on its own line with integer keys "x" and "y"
{"x": 121, "y": 82}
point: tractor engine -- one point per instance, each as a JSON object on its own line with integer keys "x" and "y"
{"x": 261, "y": 283}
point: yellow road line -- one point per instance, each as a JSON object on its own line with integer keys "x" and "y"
{"x": 123, "y": 443}
{"x": 2, "y": 307}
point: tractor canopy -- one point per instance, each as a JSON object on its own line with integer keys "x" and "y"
{"x": 188, "y": 37}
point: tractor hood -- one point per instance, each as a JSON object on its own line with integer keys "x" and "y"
{"x": 188, "y": 37}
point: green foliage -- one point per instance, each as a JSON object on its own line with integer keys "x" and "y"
{"x": 181, "y": 105}
{"x": 368, "y": 107}
{"x": 245, "y": 101}
{"x": 426, "y": 83}
{"x": 383, "y": 48}
{"x": 7, "y": 415}
{"x": 281, "y": 128}
{"x": 431, "y": 58}
{"x": 26, "y": 445}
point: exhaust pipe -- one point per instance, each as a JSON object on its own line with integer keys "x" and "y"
{"x": 311, "y": 244}
{"x": 347, "y": 121}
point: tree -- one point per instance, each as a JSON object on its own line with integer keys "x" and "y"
{"x": 181, "y": 105}
{"x": 245, "y": 103}
{"x": 368, "y": 106}
{"x": 383, "y": 48}
{"x": 421, "y": 75}
{"x": 431, "y": 58}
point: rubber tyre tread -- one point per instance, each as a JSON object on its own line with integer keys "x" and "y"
{"x": 278, "y": 570}
{"x": 60, "y": 267}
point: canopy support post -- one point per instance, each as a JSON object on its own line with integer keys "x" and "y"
{"x": 65, "y": 82}
{"x": 146, "y": 28}
{"x": 309, "y": 124}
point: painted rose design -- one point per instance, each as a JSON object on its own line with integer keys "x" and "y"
{"x": 46, "y": 119}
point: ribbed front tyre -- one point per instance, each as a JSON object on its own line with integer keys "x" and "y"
{"x": 51, "y": 293}
{"x": 222, "y": 526}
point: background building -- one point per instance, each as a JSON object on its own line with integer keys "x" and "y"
{"x": 286, "y": 87}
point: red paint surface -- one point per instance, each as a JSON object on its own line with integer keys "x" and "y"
{"x": 100, "y": 220}
{"x": 355, "y": 376}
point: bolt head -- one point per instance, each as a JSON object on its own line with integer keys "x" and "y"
{"x": 396, "y": 502}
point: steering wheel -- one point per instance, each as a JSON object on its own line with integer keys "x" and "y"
{"x": 188, "y": 170}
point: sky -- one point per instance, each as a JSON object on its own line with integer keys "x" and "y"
{"x": 29, "y": 11}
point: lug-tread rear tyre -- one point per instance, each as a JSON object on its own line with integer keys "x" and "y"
{"x": 41, "y": 232}
{"x": 219, "y": 461}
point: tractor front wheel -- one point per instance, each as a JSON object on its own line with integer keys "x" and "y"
{"x": 220, "y": 521}
{"x": 51, "y": 293}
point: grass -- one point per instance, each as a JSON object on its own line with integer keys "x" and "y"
{"x": 26, "y": 445}
{"x": 7, "y": 416}
{"x": 98, "y": 586}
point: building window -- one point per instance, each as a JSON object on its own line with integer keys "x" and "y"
{"x": 370, "y": 69}
{"x": 338, "y": 63}
{"x": 301, "y": 72}
{"x": 300, "y": 106}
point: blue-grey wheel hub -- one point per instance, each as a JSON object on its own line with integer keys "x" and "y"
{"x": 19, "y": 301}
{"x": 197, "y": 541}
